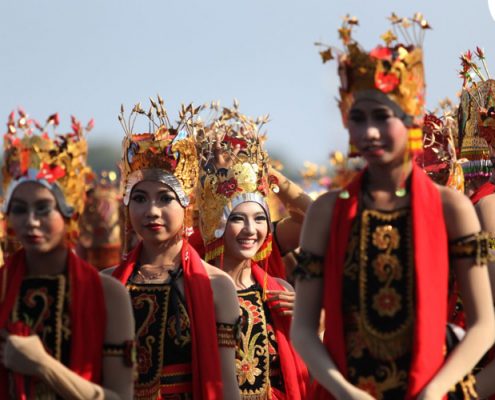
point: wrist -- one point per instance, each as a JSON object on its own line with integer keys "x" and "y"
{"x": 44, "y": 368}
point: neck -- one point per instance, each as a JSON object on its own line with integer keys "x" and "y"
{"x": 238, "y": 269}
{"x": 51, "y": 263}
{"x": 388, "y": 178}
{"x": 162, "y": 254}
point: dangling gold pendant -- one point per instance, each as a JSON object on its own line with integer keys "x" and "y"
{"x": 401, "y": 192}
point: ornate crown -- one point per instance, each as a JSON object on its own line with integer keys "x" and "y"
{"x": 439, "y": 158}
{"x": 59, "y": 163}
{"x": 395, "y": 69}
{"x": 167, "y": 153}
{"x": 476, "y": 115}
{"x": 100, "y": 236}
{"x": 392, "y": 73}
{"x": 245, "y": 179}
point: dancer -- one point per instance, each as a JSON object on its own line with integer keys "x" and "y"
{"x": 66, "y": 331}
{"x": 185, "y": 309}
{"x": 236, "y": 228}
{"x": 376, "y": 254}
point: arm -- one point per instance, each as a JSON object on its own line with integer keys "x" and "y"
{"x": 309, "y": 294}
{"x": 296, "y": 201}
{"x": 473, "y": 281}
{"x": 485, "y": 386}
{"x": 27, "y": 355}
{"x": 227, "y": 311}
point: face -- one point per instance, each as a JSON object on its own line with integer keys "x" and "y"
{"x": 155, "y": 212}
{"x": 378, "y": 134}
{"x": 246, "y": 231}
{"x": 35, "y": 218}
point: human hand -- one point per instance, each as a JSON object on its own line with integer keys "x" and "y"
{"x": 284, "y": 299}
{"x": 23, "y": 354}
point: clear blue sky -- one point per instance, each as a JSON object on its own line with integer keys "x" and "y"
{"x": 87, "y": 57}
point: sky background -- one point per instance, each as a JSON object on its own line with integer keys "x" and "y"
{"x": 87, "y": 57}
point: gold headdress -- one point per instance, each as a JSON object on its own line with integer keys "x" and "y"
{"x": 100, "y": 224}
{"x": 392, "y": 73}
{"x": 167, "y": 153}
{"x": 439, "y": 158}
{"x": 59, "y": 164}
{"x": 245, "y": 179}
{"x": 476, "y": 116}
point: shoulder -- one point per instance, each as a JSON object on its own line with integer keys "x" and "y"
{"x": 220, "y": 280}
{"x": 112, "y": 288}
{"x": 224, "y": 294}
{"x": 108, "y": 271}
{"x": 485, "y": 208}
{"x": 316, "y": 227}
{"x": 459, "y": 213}
{"x": 286, "y": 285}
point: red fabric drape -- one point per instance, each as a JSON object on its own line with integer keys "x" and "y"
{"x": 431, "y": 280}
{"x": 484, "y": 190}
{"x": 295, "y": 374}
{"x": 206, "y": 370}
{"x": 87, "y": 314}
{"x": 276, "y": 266}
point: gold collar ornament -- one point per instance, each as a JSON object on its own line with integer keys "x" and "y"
{"x": 58, "y": 163}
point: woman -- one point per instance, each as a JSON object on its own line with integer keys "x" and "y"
{"x": 66, "y": 331}
{"x": 376, "y": 254}
{"x": 477, "y": 125}
{"x": 185, "y": 309}
{"x": 237, "y": 232}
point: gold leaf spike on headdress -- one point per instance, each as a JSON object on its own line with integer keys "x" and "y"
{"x": 395, "y": 70}
{"x": 167, "y": 149}
{"x": 243, "y": 177}
{"x": 476, "y": 115}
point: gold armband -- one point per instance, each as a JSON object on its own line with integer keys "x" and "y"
{"x": 473, "y": 246}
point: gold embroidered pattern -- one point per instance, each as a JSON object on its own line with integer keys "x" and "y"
{"x": 388, "y": 299}
{"x": 256, "y": 355}
{"x": 473, "y": 246}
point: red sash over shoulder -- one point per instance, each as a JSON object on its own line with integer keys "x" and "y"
{"x": 484, "y": 190}
{"x": 294, "y": 371}
{"x": 87, "y": 314}
{"x": 206, "y": 370}
{"x": 431, "y": 280}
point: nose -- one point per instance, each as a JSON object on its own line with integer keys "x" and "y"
{"x": 152, "y": 211}
{"x": 372, "y": 132}
{"x": 249, "y": 226}
{"x": 32, "y": 220}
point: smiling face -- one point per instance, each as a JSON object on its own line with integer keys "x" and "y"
{"x": 35, "y": 218}
{"x": 378, "y": 134}
{"x": 245, "y": 232}
{"x": 155, "y": 212}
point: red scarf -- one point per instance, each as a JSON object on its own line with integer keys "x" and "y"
{"x": 431, "y": 280}
{"x": 294, "y": 372}
{"x": 206, "y": 370}
{"x": 87, "y": 314}
{"x": 484, "y": 190}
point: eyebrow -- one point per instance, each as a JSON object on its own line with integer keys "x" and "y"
{"x": 39, "y": 201}
{"x": 161, "y": 191}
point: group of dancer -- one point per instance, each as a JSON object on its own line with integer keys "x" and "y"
{"x": 180, "y": 285}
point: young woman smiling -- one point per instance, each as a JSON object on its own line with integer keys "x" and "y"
{"x": 376, "y": 254}
{"x": 66, "y": 331}
{"x": 185, "y": 310}
{"x": 237, "y": 232}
